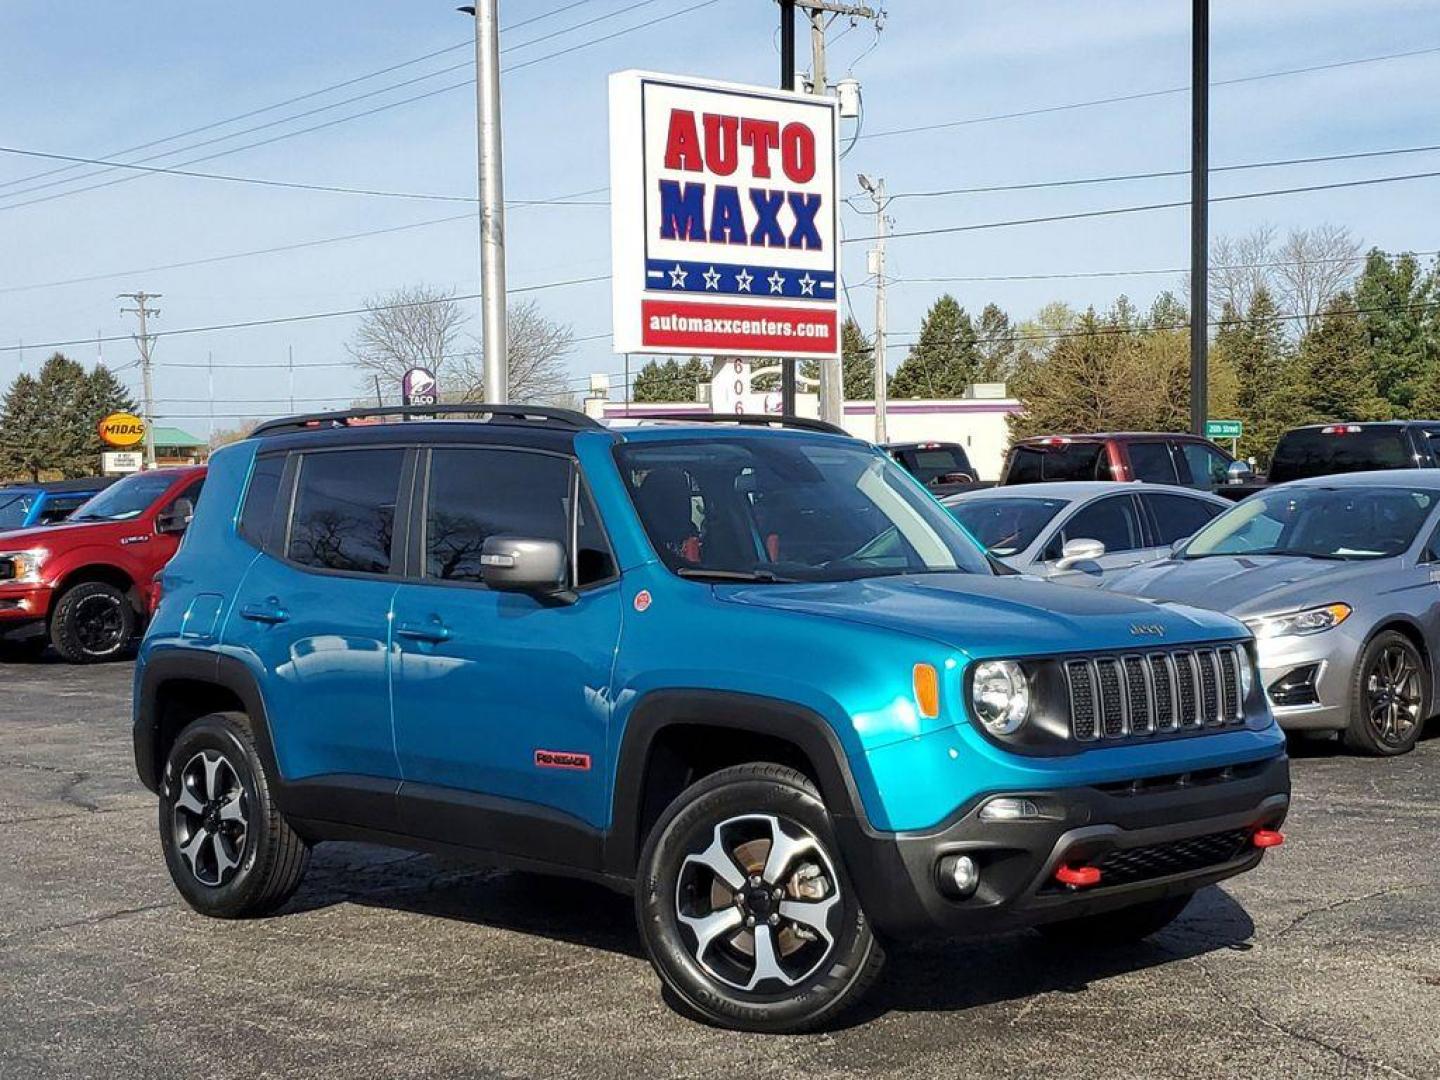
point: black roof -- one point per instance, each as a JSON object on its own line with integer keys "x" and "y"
{"x": 64, "y": 487}
{"x": 1369, "y": 424}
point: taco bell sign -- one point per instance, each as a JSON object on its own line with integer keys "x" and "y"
{"x": 724, "y": 221}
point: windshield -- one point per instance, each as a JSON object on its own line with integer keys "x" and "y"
{"x": 14, "y": 508}
{"x": 1321, "y": 523}
{"x": 934, "y": 463}
{"x": 781, "y": 509}
{"x": 1338, "y": 448}
{"x": 129, "y": 498}
{"x": 1006, "y": 526}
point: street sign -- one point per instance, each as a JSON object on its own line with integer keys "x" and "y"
{"x": 120, "y": 462}
{"x": 418, "y": 387}
{"x": 122, "y": 429}
{"x": 724, "y": 220}
{"x": 1224, "y": 429}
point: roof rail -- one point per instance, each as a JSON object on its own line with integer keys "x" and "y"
{"x": 803, "y": 423}
{"x": 543, "y": 415}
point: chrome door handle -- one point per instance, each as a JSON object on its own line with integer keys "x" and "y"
{"x": 434, "y": 631}
{"x": 270, "y": 612}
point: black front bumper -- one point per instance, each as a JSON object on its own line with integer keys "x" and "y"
{"x": 1165, "y": 836}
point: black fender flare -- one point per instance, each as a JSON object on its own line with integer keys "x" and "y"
{"x": 753, "y": 713}
{"x": 207, "y": 668}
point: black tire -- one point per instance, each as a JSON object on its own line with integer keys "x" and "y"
{"x": 1123, "y": 927}
{"x": 263, "y": 861}
{"x": 93, "y": 622}
{"x": 1388, "y": 710}
{"x": 821, "y": 973}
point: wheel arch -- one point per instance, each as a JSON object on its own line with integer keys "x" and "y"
{"x": 107, "y": 572}
{"x": 648, "y": 773}
{"x": 180, "y": 686}
{"x": 1411, "y": 630}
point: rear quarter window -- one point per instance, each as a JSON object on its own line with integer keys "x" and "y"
{"x": 259, "y": 507}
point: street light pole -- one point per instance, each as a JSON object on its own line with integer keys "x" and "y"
{"x": 1199, "y": 213}
{"x": 494, "y": 334}
{"x": 787, "y": 82}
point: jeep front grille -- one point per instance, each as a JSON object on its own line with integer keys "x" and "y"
{"x": 1139, "y": 694}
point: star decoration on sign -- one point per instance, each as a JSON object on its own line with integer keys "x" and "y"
{"x": 777, "y": 282}
{"x": 677, "y": 277}
{"x": 712, "y": 278}
{"x": 743, "y": 280}
{"x": 807, "y": 286}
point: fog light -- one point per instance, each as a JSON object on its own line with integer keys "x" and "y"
{"x": 959, "y": 875}
{"x": 1006, "y": 808}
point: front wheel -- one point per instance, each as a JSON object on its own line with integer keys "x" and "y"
{"x": 1388, "y": 697}
{"x": 92, "y": 622}
{"x": 744, "y": 906}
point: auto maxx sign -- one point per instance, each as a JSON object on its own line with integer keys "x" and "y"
{"x": 724, "y": 221}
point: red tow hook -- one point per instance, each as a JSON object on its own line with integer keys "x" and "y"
{"x": 1077, "y": 877}
{"x": 1267, "y": 838}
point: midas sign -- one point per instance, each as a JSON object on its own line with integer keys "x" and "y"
{"x": 723, "y": 218}
{"x": 122, "y": 429}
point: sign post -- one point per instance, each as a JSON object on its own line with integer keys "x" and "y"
{"x": 724, "y": 219}
{"x": 1225, "y": 429}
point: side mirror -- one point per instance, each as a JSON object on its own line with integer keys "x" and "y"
{"x": 1176, "y": 546}
{"x": 1239, "y": 472}
{"x": 1079, "y": 550}
{"x": 520, "y": 564}
{"x": 177, "y": 518}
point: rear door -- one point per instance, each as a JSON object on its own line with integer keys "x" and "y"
{"x": 1152, "y": 462}
{"x": 1174, "y": 517}
{"x": 502, "y": 699}
{"x": 313, "y": 612}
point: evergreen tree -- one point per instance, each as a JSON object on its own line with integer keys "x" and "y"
{"x": 997, "y": 346}
{"x": 670, "y": 381}
{"x": 50, "y": 424}
{"x": 1336, "y": 369}
{"x": 859, "y": 353}
{"x": 1074, "y": 388}
{"x": 943, "y": 362}
{"x": 22, "y": 451}
{"x": 1270, "y": 385}
{"x": 1393, "y": 297}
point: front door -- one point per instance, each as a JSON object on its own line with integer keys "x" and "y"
{"x": 1115, "y": 521}
{"x": 501, "y": 699}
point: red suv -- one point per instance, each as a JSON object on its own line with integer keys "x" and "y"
{"x": 1155, "y": 457}
{"x": 85, "y": 586}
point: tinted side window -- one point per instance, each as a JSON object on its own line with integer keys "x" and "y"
{"x": 344, "y": 516}
{"x": 1177, "y": 517}
{"x": 1112, "y": 521}
{"x": 1151, "y": 462}
{"x": 1207, "y": 468}
{"x": 1024, "y": 467}
{"x": 259, "y": 505}
{"x": 59, "y": 507}
{"x": 593, "y": 560}
{"x": 475, "y": 494}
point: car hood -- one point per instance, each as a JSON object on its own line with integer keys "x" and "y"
{"x": 66, "y": 534}
{"x": 1247, "y": 584}
{"x": 993, "y": 616}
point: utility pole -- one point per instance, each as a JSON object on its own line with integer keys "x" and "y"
{"x": 876, "y": 190}
{"x": 787, "y": 83}
{"x": 494, "y": 333}
{"x": 144, "y": 339}
{"x": 290, "y": 365}
{"x": 1199, "y": 213}
{"x": 832, "y": 375}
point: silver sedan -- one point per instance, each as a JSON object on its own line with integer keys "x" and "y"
{"x": 1076, "y": 532}
{"x": 1339, "y": 579}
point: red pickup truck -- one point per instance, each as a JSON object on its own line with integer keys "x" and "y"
{"x": 85, "y": 586}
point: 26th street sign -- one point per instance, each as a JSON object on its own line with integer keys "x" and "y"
{"x": 724, "y": 223}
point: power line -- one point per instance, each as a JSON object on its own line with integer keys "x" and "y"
{"x": 1123, "y": 177}
{"x": 342, "y": 119}
{"x": 466, "y": 44}
{"x": 1142, "y": 95}
{"x": 1116, "y": 210}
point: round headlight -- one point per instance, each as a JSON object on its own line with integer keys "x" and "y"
{"x": 1000, "y": 696}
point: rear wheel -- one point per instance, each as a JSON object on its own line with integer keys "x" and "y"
{"x": 228, "y": 848}
{"x": 1122, "y": 927}
{"x": 92, "y": 622}
{"x": 744, "y": 906}
{"x": 1388, "y": 696}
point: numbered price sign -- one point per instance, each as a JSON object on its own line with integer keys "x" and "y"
{"x": 724, "y": 220}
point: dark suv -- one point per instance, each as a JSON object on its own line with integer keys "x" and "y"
{"x": 1154, "y": 457}
{"x": 748, "y": 669}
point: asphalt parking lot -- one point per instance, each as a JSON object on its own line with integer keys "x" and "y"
{"x": 1323, "y": 963}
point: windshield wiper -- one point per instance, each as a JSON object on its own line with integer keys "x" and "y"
{"x": 1310, "y": 554}
{"x": 700, "y": 573}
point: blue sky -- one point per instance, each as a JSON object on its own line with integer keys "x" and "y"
{"x": 95, "y": 79}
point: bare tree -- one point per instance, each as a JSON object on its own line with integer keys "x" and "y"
{"x": 1315, "y": 265}
{"x": 415, "y": 326}
{"x": 538, "y": 362}
{"x": 1239, "y": 266}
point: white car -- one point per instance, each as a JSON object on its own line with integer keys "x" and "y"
{"x": 1077, "y": 531}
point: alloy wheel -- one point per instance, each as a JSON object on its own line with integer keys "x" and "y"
{"x": 99, "y": 624}
{"x": 758, "y": 902}
{"x": 1392, "y": 695}
{"x": 210, "y": 817}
